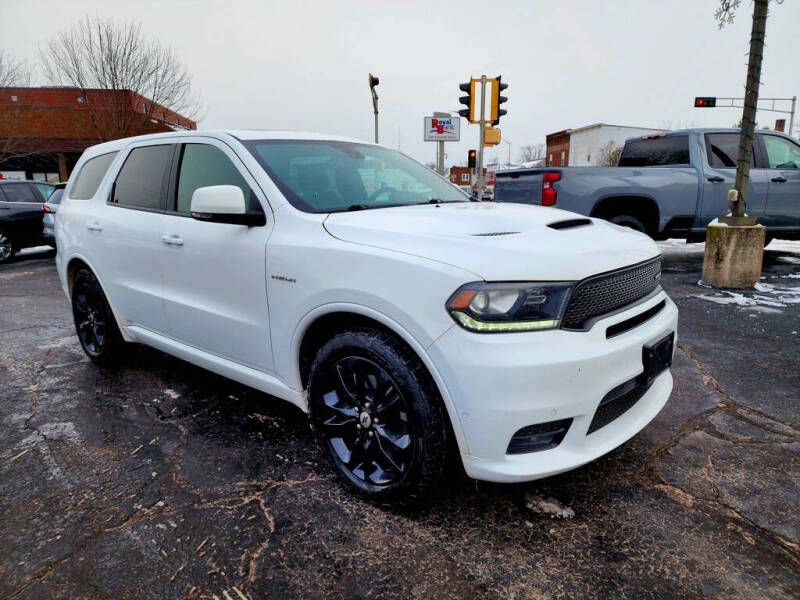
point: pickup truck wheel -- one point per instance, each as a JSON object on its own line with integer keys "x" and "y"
{"x": 94, "y": 321}
{"x": 6, "y": 248}
{"x": 628, "y": 221}
{"x": 376, "y": 417}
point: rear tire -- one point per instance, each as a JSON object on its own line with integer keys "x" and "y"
{"x": 629, "y": 221}
{"x": 95, "y": 324}
{"x": 377, "y": 417}
{"x": 7, "y": 248}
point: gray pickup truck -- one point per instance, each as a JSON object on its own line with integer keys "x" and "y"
{"x": 672, "y": 185}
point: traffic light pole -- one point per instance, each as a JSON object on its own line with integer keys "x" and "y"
{"x": 481, "y": 183}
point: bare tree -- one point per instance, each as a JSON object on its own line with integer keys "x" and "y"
{"x": 725, "y": 15}
{"x": 531, "y": 152}
{"x": 104, "y": 54}
{"x": 608, "y": 155}
{"x": 13, "y": 73}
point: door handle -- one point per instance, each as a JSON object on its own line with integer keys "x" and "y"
{"x": 172, "y": 240}
{"x": 94, "y": 226}
{"x": 778, "y": 179}
{"x": 716, "y": 179}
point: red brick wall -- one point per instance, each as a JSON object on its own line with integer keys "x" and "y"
{"x": 557, "y": 145}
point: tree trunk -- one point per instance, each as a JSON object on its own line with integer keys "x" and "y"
{"x": 744, "y": 159}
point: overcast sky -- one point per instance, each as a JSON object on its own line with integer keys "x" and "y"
{"x": 303, "y": 65}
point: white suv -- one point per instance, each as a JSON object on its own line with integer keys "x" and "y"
{"x": 360, "y": 286}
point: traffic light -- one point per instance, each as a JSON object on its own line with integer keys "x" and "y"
{"x": 472, "y": 112}
{"x": 472, "y": 155}
{"x": 705, "y": 102}
{"x": 497, "y": 112}
{"x": 373, "y": 81}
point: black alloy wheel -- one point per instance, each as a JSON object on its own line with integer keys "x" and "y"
{"x": 94, "y": 322}
{"x": 364, "y": 419}
{"x": 6, "y": 247}
{"x": 377, "y": 417}
{"x": 90, "y": 322}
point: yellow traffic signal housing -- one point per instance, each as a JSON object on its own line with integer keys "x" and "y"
{"x": 495, "y": 112}
{"x": 491, "y": 136}
{"x": 472, "y": 100}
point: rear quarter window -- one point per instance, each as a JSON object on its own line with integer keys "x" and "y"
{"x": 90, "y": 176}
{"x": 656, "y": 152}
{"x": 722, "y": 150}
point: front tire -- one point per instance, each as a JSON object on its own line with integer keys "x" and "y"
{"x": 629, "y": 221}
{"x": 377, "y": 417}
{"x": 94, "y": 321}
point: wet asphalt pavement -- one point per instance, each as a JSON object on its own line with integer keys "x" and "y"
{"x": 162, "y": 480}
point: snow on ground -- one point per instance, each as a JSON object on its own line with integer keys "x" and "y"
{"x": 678, "y": 246}
{"x": 774, "y": 293}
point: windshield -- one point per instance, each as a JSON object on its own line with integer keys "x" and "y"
{"x": 326, "y": 176}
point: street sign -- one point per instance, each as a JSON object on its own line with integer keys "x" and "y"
{"x": 442, "y": 129}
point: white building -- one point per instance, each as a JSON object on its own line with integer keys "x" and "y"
{"x": 586, "y": 142}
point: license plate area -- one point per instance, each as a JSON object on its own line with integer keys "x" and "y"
{"x": 657, "y": 357}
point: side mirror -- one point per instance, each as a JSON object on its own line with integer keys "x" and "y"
{"x": 223, "y": 204}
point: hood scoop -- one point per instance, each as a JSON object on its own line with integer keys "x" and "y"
{"x": 494, "y": 233}
{"x": 569, "y": 224}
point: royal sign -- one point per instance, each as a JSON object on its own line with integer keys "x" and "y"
{"x": 442, "y": 129}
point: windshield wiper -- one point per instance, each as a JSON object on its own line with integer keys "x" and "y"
{"x": 357, "y": 207}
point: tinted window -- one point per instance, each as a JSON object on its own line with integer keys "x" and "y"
{"x": 781, "y": 153}
{"x": 140, "y": 182}
{"x": 56, "y": 197}
{"x": 44, "y": 190}
{"x": 203, "y": 165}
{"x": 722, "y": 149}
{"x": 653, "y": 152}
{"x": 19, "y": 192}
{"x": 90, "y": 176}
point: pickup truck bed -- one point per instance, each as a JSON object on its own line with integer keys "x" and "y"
{"x": 671, "y": 185}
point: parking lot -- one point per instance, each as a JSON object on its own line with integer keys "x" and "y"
{"x": 164, "y": 480}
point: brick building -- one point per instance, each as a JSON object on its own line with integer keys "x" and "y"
{"x": 557, "y": 149}
{"x": 461, "y": 176}
{"x": 581, "y": 147}
{"x": 44, "y": 130}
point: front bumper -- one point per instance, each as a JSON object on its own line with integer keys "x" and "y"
{"x": 500, "y": 383}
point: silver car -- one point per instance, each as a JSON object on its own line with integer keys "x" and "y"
{"x": 49, "y": 210}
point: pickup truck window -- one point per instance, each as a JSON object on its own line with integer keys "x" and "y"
{"x": 655, "y": 152}
{"x": 781, "y": 153}
{"x": 722, "y": 150}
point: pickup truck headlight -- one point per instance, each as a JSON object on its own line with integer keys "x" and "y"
{"x": 506, "y": 307}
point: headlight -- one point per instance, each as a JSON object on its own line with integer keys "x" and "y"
{"x": 506, "y": 307}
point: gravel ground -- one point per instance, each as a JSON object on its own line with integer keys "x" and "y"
{"x": 162, "y": 480}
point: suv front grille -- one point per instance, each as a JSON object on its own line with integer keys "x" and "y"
{"x": 602, "y": 294}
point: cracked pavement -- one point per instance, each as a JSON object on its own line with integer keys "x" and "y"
{"x": 161, "y": 480}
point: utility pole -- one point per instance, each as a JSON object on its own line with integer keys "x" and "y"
{"x": 481, "y": 183}
{"x": 373, "y": 83}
